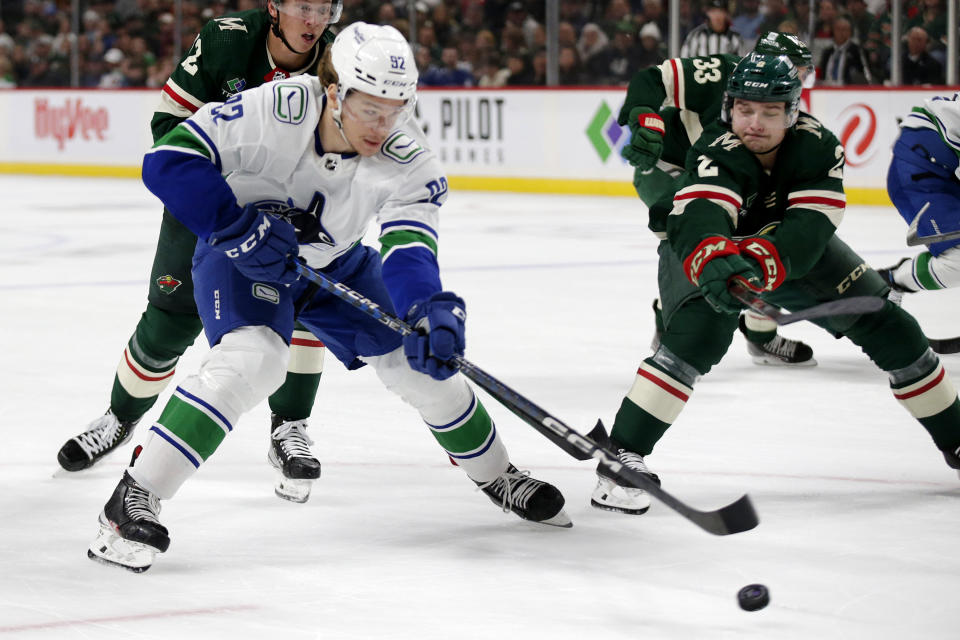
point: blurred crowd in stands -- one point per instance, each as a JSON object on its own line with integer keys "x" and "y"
{"x": 487, "y": 43}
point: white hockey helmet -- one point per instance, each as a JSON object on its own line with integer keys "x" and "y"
{"x": 376, "y": 60}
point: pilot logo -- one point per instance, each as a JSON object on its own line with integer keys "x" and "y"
{"x": 605, "y": 134}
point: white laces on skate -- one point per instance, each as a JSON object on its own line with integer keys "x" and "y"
{"x": 633, "y": 461}
{"x": 516, "y": 487}
{"x": 781, "y": 347}
{"x": 102, "y": 433}
{"x": 293, "y": 439}
{"x": 140, "y": 504}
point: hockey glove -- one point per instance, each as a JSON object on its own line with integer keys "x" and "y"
{"x": 259, "y": 245}
{"x": 439, "y": 336}
{"x": 713, "y": 265}
{"x": 646, "y": 138}
{"x": 768, "y": 258}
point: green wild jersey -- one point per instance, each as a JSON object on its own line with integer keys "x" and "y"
{"x": 688, "y": 93}
{"x": 229, "y": 55}
{"x": 725, "y": 191}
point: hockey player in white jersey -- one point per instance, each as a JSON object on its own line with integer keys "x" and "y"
{"x": 300, "y": 167}
{"x": 924, "y": 184}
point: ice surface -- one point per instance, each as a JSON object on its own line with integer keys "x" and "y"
{"x": 860, "y": 517}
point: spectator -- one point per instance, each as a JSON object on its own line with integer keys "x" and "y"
{"x": 576, "y": 12}
{"x": 449, "y": 73}
{"x": 747, "y": 21}
{"x": 491, "y": 74}
{"x": 652, "y": 11}
{"x": 520, "y": 73}
{"x": 7, "y": 79}
{"x": 113, "y": 78}
{"x": 773, "y": 16}
{"x": 651, "y": 46}
{"x": 566, "y": 35}
{"x": 427, "y": 39}
{"x": 843, "y": 62}
{"x": 919, "y": 67}
{"x": 592, "y": 41}
{"x": 616, "y": 13}
{"x": 570, "y": 68}
{"x": 714, "y": 35}
{"x": 518, "y": 16}
{"x": 616, "y": 64}
{"x": 860, "y": 19}
{"x": 539, "y": 68}
{"x": 44, "y": 69}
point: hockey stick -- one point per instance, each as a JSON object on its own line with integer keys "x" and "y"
{"x": 945, "y": 346}
{"x": 852, "y": 305}
{"x": 733, "y": 518}
{"x": 913, "y": 237}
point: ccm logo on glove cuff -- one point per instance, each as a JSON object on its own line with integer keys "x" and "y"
{"x": 707, "y": 250}
{"x": 651, "y": 121}
{"x": 765, "y": 252}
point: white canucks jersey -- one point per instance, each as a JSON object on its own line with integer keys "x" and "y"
{"x": 941, "y": 114}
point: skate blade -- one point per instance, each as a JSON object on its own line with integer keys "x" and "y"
{"x": 111, "y": 549}
{"x": 765, "y": 361}
{"x": 631, "y": 511}
{"x": 293, "y": 489}
{"x": 559, "y": 520}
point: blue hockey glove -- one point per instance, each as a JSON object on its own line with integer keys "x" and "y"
{"x": 439, "y": 322}
{"x": 646, "y": 138}
{"x": 714, "y": 264}
{"x": 259, "y": 245}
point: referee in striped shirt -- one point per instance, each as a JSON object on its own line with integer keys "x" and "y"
{"x": 713, "y": 36}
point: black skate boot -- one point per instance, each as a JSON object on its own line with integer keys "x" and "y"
{"x": 779, "y": 351}
{"x": 887, "y": 273}
{"x": 953, "y": 459}
{"x": 102, "y": 436}
{"x": 612, "y": 494}
{"x": 130, "y": 534}
{"x": 529, "y": 498}
{"x": 290, "y": 455}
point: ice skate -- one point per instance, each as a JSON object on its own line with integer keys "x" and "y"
{"x": 529, "y": 498}
{"x": 887, "y": 273}
{"x": 130, "y": 533}
{"x": 612, "y": 495}
{"x": 779, "y": 351}
{"x": 102, "y": 436}
{"x": 290, "y": 455}
{"x": 953, "y": 459}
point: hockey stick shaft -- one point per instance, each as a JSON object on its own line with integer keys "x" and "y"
{"x": 733, "y": 518}
{"x": 945, "y": 346}
{"x": 847, "y": 306}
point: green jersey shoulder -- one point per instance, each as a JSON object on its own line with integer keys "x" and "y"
{"x": 725, "y": 180}
{"x": 228, "y": 56}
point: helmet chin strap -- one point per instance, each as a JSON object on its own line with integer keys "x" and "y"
{"x": 275, "y": 28}
{"x": 337, "y": 117}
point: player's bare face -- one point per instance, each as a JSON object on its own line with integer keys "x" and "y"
{"x": 302, "y": 22}
{"x": 368, "y": 120}
{"x": 761, "y": 126}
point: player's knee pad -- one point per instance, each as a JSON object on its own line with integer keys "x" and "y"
{"x": 697, "y": 335}
{"x": 246, "y": 366}
{"x": 891, "y": 337}
{"x": 923, "y": 386}
{"x": 438, "y": 401}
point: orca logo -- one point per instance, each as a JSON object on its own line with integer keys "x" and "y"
{"x": 858, "y": 132}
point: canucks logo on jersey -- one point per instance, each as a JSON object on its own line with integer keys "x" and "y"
{"x": 306, "y": 221}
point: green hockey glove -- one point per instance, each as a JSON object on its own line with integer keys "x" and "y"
{"x": 646, "y": 138}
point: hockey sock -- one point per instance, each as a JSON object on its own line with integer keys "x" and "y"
{"x": 148, "y": 363}
{"x": 294, "y": 399}
{"x": 932, "y": 400}
{"x": 757, "y": 328}
{"x": 653, "y": 403}
{"x": 471, "y": 441}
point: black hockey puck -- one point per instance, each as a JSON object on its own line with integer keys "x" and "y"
{"x": 753, "y": 597}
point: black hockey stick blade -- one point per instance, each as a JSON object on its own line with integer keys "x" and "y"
{"x": 854, "y": 305}
{"x": 915, "y": 240}
{"x": 945, "y": 346}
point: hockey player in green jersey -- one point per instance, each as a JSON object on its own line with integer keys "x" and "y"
{"x": 758, "y": 203}
{"x": 666, "y": 109}
{"x": 232, "y": 53}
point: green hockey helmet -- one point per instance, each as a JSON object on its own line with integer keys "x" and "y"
{"x": 773, "y": 43}
{"x": 764, "y": 78}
